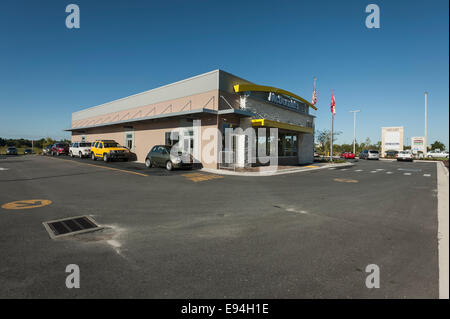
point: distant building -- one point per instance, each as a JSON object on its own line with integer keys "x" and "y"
{"x": 392, "y": 139}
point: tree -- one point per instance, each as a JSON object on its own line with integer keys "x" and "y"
{"x": 438, "y": 145}
{"x": 324, "y": 138}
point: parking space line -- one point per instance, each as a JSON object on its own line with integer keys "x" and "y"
{"x": 427, "y": 175}
{"x": 388, "y": 172}
{"x": 100, "y": 166}
{"x": 116, "y": 169}
{"x": 358, "y": 170}
{"x": 407, "y": 174}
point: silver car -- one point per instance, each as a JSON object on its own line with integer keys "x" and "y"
{"x": 369, "y": 154}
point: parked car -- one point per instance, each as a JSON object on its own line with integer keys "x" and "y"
{"x": 28, "y": 151}
{"x": 47, "y": 150}
{"x": 347, "y": 155}
{"x": 391, "y": 153}
{"x": 168, "y": 157}
{"x": 80, "y": 149}
{"x": 11, "y": 150}
{"x": 109, "y": 150}
{"x": 369, "y": 154}
{"x": 405, "y": 156}
{"x": 59, "y": 149}
{"x": 437, "y": 154}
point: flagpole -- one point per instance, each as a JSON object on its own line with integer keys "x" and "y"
{"x": 331, "y": 141}
{"x": 332, "y": 120}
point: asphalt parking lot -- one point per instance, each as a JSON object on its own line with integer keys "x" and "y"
{"x": 190, "y": 234}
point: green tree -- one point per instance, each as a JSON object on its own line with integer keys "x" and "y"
{"x": 438, "y": 145}
{"x": 324, "y": 138}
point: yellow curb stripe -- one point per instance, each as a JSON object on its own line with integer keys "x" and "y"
{"x": 199, "y": 177}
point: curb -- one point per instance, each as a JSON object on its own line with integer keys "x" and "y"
{"x": 273, "y": 173}
{"x": 443, "y": 229}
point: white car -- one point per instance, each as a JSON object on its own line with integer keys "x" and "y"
{"x": 436, "y": 154}
{"x": 369, "y": 154}
{"x": 80, "y": 149}
{"x": 405, "y": 156}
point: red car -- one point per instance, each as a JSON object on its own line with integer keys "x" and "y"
{"x": 59, "y": 149}
{"x": 348, "y": 155}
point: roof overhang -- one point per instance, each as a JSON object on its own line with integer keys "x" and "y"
{"x": 197, "y": 112}
{"x": 261, "y": 88}
{"x": 281, "y": 125}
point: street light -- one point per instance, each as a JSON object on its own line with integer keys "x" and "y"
{"x": 425, "y": 142}
{"x": 354, "y": 130}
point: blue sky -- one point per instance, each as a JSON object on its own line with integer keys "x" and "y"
{"x": 124, "y": 47}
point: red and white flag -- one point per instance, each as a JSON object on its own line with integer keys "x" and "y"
{"x": 333, "y": 104}
{"x": 314, "y": 97}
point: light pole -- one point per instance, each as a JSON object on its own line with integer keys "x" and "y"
{"x": 354, "y": 130}
{"x": 425, "y": 142}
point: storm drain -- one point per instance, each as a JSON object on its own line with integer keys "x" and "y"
{"x": 70, "y": 226}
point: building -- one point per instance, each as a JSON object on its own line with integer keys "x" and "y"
{"x": 391, "y": 139}
{"x": 218, "y": 100}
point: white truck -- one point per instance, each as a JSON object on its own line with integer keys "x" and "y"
{"x": 80, "y": 149}
{"x": 437, "y": 154}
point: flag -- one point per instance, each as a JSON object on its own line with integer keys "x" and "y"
{"x": 314, "y": 97}
{"x": 333, "y": 104}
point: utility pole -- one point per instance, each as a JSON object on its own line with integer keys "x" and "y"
{"x": 354, "y": 130}
{"x": 425, "y": 142}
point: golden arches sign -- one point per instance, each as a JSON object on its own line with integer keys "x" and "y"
{"x": 27, "y": 204}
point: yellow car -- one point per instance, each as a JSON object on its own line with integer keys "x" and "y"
{"x": 109, "y": 150}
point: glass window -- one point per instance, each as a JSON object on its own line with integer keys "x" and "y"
{"x": 108, "y": 144}
{"x": 171, "y": 139}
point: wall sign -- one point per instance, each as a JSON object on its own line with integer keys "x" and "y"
{"x": 278, "y": 99}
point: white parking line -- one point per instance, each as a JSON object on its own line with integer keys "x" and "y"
{"x": 380, "y": 169}
{"x": 427, "y": 175}
{"x": 344, "y": 169}
{"x": 373, "y": 171}
{"x": 3, "y": 169}
{"x": 332, "y": 168}
{"x": 407, "y": 174}
{"x": 358, "y": 170}
{"x": 388, "y": 172}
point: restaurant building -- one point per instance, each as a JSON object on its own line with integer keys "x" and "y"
{"x": 217, "y": 100}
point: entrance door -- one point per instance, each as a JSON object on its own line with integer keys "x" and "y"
{"x": 129, "y": 139}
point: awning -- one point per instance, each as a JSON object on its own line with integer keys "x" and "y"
{"x": 261, "y": 88}
{"x": 196, "y": 112}
{"x": 285, "y": 126}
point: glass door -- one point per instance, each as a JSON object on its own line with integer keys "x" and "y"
{"x": 129, "y": 140}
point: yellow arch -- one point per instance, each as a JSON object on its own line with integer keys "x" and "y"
{"x": 261, "y": 88}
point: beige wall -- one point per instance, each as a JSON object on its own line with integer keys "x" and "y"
{"x": 147, "y": 134}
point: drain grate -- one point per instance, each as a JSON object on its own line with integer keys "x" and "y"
{"x": 70, "y": 226}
